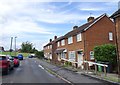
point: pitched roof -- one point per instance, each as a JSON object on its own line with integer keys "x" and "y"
{"x": 60, "y": 38}
{"x": 117, "y": 13}
{"x": 84, "y": 27}
{"x": 50, "y": 43}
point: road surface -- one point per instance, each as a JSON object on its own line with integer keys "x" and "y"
{"x": 30, "y": 72}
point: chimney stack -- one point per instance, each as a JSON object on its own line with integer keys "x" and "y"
{"x": 55, "y": 37}
{"x": 90, "y": 19}
{"x": 75, "y": 27}
{"x": 50, "y": 40}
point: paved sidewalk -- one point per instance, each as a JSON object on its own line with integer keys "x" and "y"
{"x": 72, "y": 76}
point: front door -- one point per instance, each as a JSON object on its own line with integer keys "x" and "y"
{"x": 80, "y": 60}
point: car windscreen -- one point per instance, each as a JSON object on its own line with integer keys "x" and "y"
{"x": 2, "y": 58}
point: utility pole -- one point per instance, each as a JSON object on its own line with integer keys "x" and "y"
{"x": 11, "y": 45}
{"x": 15, "y": 46}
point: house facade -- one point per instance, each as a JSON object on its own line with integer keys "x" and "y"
{"x": 49, "y": 50}
{"x": 78, "y": 44}
{"x": 116, "y": 17}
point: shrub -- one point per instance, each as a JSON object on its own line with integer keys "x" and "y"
{"x": 39, "y": 54}
{"x": 105, "y": 53}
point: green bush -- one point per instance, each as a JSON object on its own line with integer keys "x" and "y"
{"x": 105, "y": 53}
{"x": 39, "y": 54}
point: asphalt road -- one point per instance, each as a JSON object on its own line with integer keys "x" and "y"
{"x": 30, "y": 72}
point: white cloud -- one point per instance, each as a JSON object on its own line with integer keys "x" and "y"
{"x": 21, "y": 17}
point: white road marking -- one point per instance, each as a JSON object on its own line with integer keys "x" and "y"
{"x": 40, "y": 66}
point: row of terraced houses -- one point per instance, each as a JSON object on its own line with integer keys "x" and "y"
{"x": 78, "y": 44}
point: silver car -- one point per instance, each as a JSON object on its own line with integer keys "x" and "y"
{"x": 10, "y": 60}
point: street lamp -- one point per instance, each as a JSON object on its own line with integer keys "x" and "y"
{"x": 11, "y": 45}
{"x": 15, "y": 46}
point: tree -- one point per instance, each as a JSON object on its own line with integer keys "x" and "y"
{"x": 39, "y": 54}
{"x": 105, "y": 53}
{"x": 26, "y": 47}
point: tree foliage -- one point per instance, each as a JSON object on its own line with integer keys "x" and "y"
{"x": 27, "y": 47}
{"x": 39, "y": 54}
{"x": 105, "y": 53}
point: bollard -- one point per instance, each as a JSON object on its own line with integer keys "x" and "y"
{"x": 87, "y": 67}
{"x": 105, "y": 71}
{"x": 95, "y": 69}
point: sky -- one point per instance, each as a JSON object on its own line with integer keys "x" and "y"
{"x": 37, "y": 21}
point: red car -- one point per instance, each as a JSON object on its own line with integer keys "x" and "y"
{"x": 16, "y": 61}
{"x": 4, "y": 64}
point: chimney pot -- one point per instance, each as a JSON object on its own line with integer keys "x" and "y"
{"x": 50, "y": 40}
{"x": 75, "y": 27}
{"x": 55, "y": 37}
{"x": 90, "y": 19}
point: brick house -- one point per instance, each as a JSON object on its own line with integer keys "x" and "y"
{"x": 48, "y": 50}
{"x": 116, "y": 17}
{"x": 77, "y": 45}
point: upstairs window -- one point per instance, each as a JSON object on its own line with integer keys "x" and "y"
{"x": 63, "y": 42}
{"x": 79, "y": 37}
{"x": 70, "y": 40}
{"x": 58, "y": 44}
{"x": 50, "y": 46}
{"x": 110, "y": 36}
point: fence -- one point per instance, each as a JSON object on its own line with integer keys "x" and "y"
{"x": 88, "y": 63}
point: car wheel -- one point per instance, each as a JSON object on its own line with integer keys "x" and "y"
{"x": 12, "y": 68}
{"x": 6, "y": 72}
{"x": 18, "y": 65}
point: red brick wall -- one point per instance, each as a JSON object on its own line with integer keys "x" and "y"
{"x": 118, "y": 32}
{"x": 98, "y": 34}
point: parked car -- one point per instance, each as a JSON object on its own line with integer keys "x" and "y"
{"x": 11, "y": 62}
{"x": 20, "y": 56}
{"x": 4, "y": 64}
{"x": 30, "y": 56}
{"x": 16, "y": 62}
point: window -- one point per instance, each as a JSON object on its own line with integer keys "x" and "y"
{"x": 63, "y": 55}
{"x": 63, "y": 42}
{"x": 110, "y": 36}
{"x": 58, "y": 44}
{"x": 72, "y": 55}
{"x": 91, "y": 55}
{"x": 70, "y": 40}
{"x": 50, "y": 46}
{"x": 79, "y": 37}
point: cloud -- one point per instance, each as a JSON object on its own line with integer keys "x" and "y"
{"x": 24, "y": 19}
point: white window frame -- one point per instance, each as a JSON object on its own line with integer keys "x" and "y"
{"x": 62, "y": 42}
{"x": 58, "y": 44}
{"x": 110, "y": 36}
{"x": 50, "y": 46}
{"x": 70, "y": 40}
{"x": 72, "y": 55}
{"x": 79, "y": 37}
{"x": 92, "y": 55}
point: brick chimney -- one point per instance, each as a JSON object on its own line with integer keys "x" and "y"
{"x": 55, "y": 37}
{"x": 75, "y": 27}
{"x": 90, "y": 19}
{"x": 50, "y": 40}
